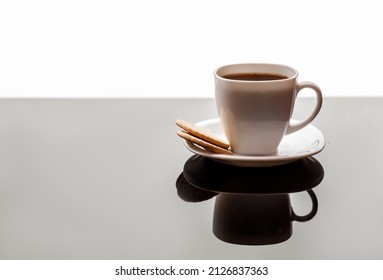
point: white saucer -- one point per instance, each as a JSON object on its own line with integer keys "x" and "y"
{"x": 301, "y": 144}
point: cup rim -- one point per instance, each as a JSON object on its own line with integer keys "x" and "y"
{"x": 282, "y": 67}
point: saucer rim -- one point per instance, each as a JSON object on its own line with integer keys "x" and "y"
{"x": 257, "y": 160}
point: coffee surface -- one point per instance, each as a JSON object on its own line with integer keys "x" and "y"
{"x": 254, "y": 76}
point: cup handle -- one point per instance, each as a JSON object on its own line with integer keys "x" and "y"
{"x": 294, "y": 127}
{"x": 310, "y": 215}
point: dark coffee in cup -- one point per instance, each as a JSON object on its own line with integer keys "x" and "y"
{"x": 254, "y": 76}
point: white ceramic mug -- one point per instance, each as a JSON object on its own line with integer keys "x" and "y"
{"x": 256, "y": 114}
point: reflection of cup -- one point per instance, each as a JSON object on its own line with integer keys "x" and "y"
{"x": 252, "y": 205}
{"x": 256, "y": 219}
{"x": 255, "y": 103}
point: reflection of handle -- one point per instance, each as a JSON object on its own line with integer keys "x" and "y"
{"x": 313, "y": 212}
{"x": 294, "y": 127}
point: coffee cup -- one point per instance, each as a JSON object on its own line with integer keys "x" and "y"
{"x": 255, "y": 104}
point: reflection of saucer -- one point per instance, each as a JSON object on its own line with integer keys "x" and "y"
{"x": 303, "y": 143}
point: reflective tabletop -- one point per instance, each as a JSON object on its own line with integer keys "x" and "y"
{"x": 110, "y": 179}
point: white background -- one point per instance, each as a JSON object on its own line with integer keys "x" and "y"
{"x": 170, "y": 48}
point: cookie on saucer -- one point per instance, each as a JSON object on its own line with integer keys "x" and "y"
{"x": 201, "y": 142}
{"x": 202, "y": 134}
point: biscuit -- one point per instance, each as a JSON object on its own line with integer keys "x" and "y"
{"x": 202, "y": 134}
{"x": 200, "y": 142}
